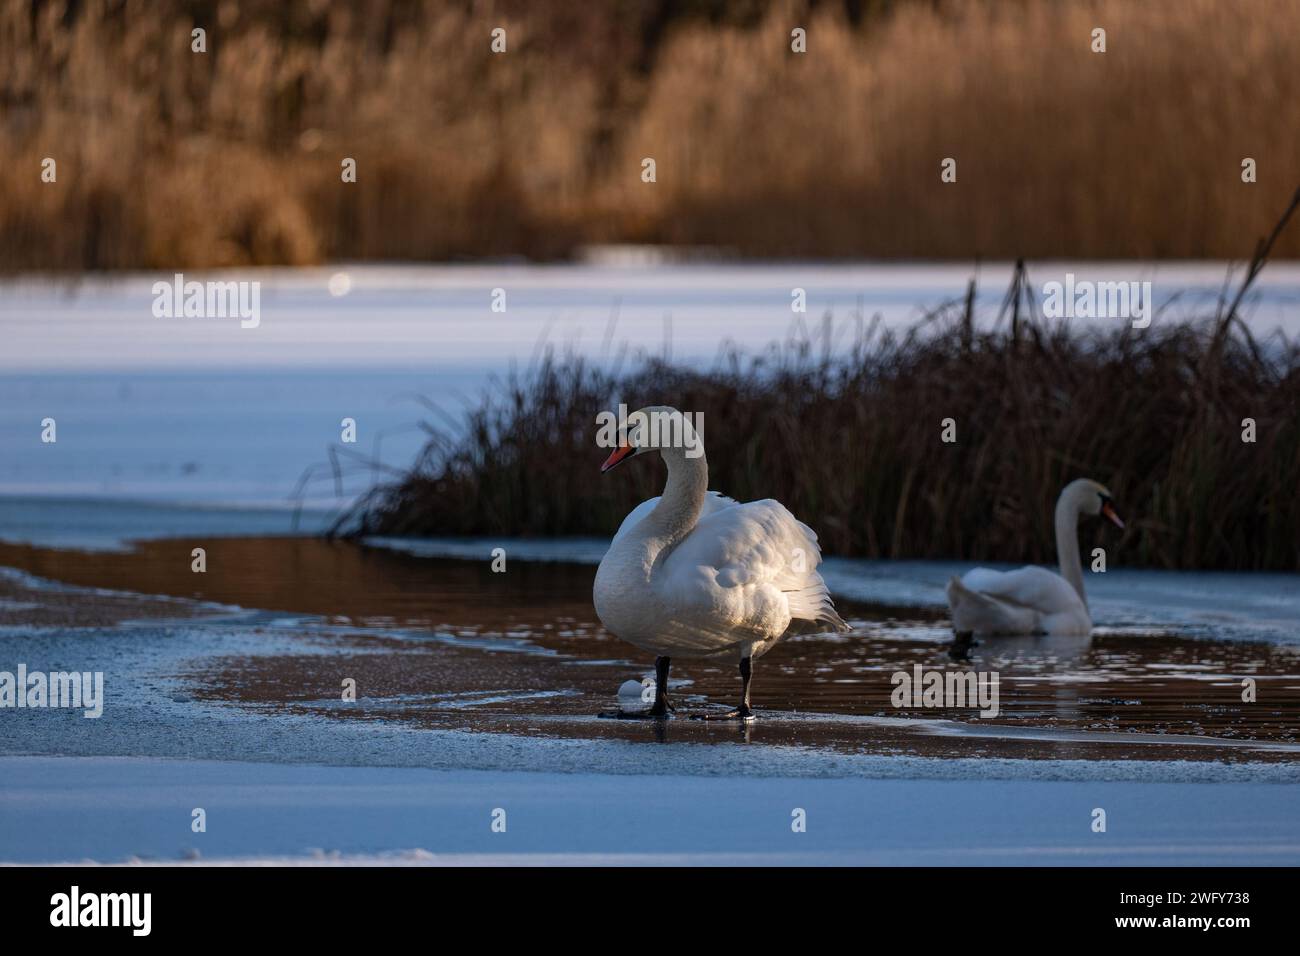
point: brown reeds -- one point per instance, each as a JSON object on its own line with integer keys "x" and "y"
{"x": 168, "y": 158}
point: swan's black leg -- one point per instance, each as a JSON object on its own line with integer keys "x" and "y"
{"x": 746, "y": 672}
{"x": 660, "y": 709}
{"x": 661, "y": 705}
{"x": 743, "y": 712}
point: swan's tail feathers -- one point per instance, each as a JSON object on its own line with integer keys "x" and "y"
{"x": 978, "y": 613}
{"x": 967, "y": 605}
{"x": 956, "y": 590}
{"x": 832, "y": 618}
{"x": 813, "y": 604}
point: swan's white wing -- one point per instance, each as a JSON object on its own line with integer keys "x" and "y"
{"x": 713, "y": 501}
{"x": 978, "y": 612}
{"x": 754, "y": 566}
{"x": 1034, "y": 587}
{"x": 749, "y": 544}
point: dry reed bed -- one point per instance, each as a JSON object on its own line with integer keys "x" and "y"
{"x": 172, "y": 159}
{"x": 852, "y": 443}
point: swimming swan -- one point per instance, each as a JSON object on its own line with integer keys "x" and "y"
{"x": 1034, "y": 600}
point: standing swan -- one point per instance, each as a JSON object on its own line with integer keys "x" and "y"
{"x": 694, "y": 574}
{"x": 1033, "y": 600}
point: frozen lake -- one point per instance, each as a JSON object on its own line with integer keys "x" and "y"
{"x": 204, "y": 411}
{"x": 117, "y": 810}
{"x": 236, "y": 711}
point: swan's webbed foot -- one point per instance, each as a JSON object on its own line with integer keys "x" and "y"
{"x": 963, "y": 642}
{"x": 663, "y": 707}
{"x": 633, "y": 715}
{"x": 742, "y": 713}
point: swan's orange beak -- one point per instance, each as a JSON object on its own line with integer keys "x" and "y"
{"x": 1109, "y": 511}
{"x": 619, "y": 454}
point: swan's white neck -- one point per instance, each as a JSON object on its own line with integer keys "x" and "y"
{"x": 1067, "y": 543}
{"x": 683, "y": 498}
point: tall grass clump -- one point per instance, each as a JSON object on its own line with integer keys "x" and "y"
{"x": 851, "y": 443}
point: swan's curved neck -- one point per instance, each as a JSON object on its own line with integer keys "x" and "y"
{"x": 683, "y": 498}
{"x": 1067, "y": 544}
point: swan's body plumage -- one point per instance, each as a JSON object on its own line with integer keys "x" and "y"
{"x": 713, "y": 501}
{"x": 733, "y": 586}
{"x": 1029, "y": 600}
{"x": 694, "y": 573}
{"x": 1034, "y": 600}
